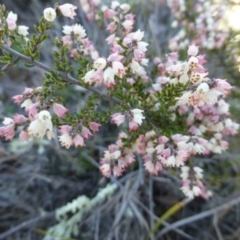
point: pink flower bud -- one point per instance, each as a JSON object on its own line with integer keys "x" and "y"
{"x": 11, "y": 24}
{"x": 115, "y": 57}
{"x": 109, "y": 13}
{"x": 23, "y": 136}
{"x": 59, "y": 109}
{"x": 94, "y": 126}
{"x": 138, "y": 55}
{"x": 86, "y": 133}
{"x": 111, "y": 27}
{"x": 27, "y": 91}
{"x": 67, "y": 41}
{"x": 133, "y": 126}
{"x": 19, "y": 119}
{"x": 32, "y": 110}
{"x": 65, "y": 129}
{"x": 18, "y": 99}
{"x": 118, "y": 118}
{"x": 78, "y": 141}
{"x": 9, "y": 131}
{"x": 192, "y": 50}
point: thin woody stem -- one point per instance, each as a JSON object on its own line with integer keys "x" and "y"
{"x": 69, "y": 79}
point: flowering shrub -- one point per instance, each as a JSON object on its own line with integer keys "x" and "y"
{"x": 168, "y": 110}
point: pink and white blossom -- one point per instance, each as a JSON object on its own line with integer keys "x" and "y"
{"x": 59, "y": 109}
{"x": 68, "y": 10}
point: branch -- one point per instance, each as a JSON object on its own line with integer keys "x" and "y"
{"x": 69, "y": 79}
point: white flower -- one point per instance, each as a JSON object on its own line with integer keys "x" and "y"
{"x": 171, "y": 161}
{"x": 196, "y": 190}
{"x": 125, "y": 7}
{"x": 79, "y": 30}
{"x": 212, "y": 95}
{"x": 23, "y": 30}
{"x": 197, "y": 148}
{"x": 184, "y": 99}
{"x": 94, "y": 54}
{"x": 183, "y": 145}
{"x": 142, "y": 46}
{"x": 108, "y": 75}
{"x": 115, "y": 4}
{"x": 88, "y": 76}
{"x": 112, "y": 156}
{"x": 138, "y": 35}
{"x": 116, "y": 154}
{"x": 203, "y": 88}
{"x": 36, "y": 129}
{"x": 7, "y": 121}
{"x": 185, "y": 172}
{"x": 145, "y": 61}
{"x": 26, "y": 103}
{"x": 217, "y": 127}
{"x": 127, "y": 24}
{"x": 118, "y": 69}
{"x": 12, "y": 16}
{"x": 49, "y": 14}
{"x": 137, "y": 68}
{"x": 191, "y": 192}
{"x": 67, "y": 30}
{"x": 187, "y": 191}
{"x": 65, "y": 140}
{"x": 100, "y": 63}
{"x": 198, "y": 172}
{"x": 44, "y": 116}
{"x": 41, "y": 125}
{"x": 137, "y": 116}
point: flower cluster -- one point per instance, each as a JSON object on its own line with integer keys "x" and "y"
{"x": 128, "y": 49}
{"x": 77, "y": 42}
{"x": 90, "y": 8}
{"x": 203, "y": 24}
{"x": 134, "y": 116}
{"x": 116, "y": 159}
{"x": 167, "y": 115}
{"x": 76, "y": 135}
{"x": 11, "y": 22}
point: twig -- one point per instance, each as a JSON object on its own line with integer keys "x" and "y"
{"x": 5, "y": 67}
{"x": 26, "y": 224}
{"x": 69, "y": 79}
{"x": 150, "y": 193}
{"x": 215, "y": 224}
{"x": 199, "y": 216}
{"x": 97, "y": 223}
